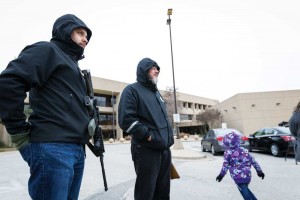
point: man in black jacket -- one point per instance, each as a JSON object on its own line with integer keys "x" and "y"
{"x": 142, "y": 113}
{"x": 52, "y": 140}
{"x": 294, "y": 126}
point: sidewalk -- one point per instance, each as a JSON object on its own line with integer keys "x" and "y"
{"x": 178, "y": 151}
{"x": 187, "y": 154}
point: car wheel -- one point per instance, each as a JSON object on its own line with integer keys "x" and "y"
{"x": 202, "y": 148}
{"x": 275, "y": 150}
{"x": 213, "y": 151}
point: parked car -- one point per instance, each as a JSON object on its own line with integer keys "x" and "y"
{"x": 213, "y": 140}
{"x": 276, "y": 140}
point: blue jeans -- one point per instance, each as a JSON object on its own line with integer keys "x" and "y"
{"x": 245, "y": 191}
{"x": 56, "y": 170}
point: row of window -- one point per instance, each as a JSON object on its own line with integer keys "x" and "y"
{"x": 196, "y": 105}
{"x": 105, "y": 100}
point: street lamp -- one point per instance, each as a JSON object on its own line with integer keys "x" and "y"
{"x": 176, "y": 117}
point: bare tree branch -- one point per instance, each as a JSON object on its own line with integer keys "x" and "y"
{"x": 211, "y": 117}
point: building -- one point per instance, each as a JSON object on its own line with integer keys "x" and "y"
{"x": 108, "y": 94}
{"x": 249, "y": 112}
{"x": 246, "y": 112}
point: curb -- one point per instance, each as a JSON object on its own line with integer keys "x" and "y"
{"x": 187, "y": 154}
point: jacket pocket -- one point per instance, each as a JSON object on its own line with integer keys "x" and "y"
{"x": 157, "y": 141}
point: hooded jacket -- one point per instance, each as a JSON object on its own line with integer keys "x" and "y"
{"x": 237, "y": 159}
{"x": 294, "y": 124}
{"x": 49, "y": 72}
{"x": 142, "y": 111}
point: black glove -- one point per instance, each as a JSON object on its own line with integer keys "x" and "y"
{"x": 261, "y": 174}
{"x": 219, "y": 178}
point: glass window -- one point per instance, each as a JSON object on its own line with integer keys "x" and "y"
{"x": 225, "y": 131}
{"x": 210, "y": 134}
{"x": 268, "y": 131}
{"x": 107, "y": 119}
{"x": 284, "y": 130}
{"x": 105, "y": 100}
{"x": 184, "y": 117}
{"x": 259, "y": 133}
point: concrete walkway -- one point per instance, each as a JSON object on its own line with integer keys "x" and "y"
{"x": 186, "y": 154}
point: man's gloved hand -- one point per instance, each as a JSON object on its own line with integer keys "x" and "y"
{"x": 261, "y": 174}
{"x": 219, "y": 178}
{"x": 20, "y": 140}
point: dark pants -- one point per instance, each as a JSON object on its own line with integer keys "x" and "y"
{"x": 152, "y": 168}
{"x": 245, "y": 191}
{"x": 56, "y": 170}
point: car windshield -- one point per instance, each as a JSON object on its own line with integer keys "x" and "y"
{"x": 284, "y": 130}
{"x": 225, "y": 131}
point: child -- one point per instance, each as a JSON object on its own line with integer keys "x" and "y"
{"x": 238, "y": 160}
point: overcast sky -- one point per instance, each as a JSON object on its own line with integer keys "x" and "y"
{"x": 220, "y": 47}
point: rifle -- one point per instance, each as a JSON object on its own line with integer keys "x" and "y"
{"x": 93, "y": 127}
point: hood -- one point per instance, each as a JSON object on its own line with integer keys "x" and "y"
{"x": 232, "y": 140}
{"x": 61, "y": 34}
{"x": 142, "y": 71}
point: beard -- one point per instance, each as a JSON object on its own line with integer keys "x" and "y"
{"x": 154, "y": 81}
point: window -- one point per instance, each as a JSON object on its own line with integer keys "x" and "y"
{"x": 183, "y": 117}
{"x": 210, "y": 134}
{"x": 269, "y": 131}
{"x": 105, "y": 100}
{"x": 186, "y": 117}
{"x": 259, "y": 133}
{"x": 106, "y": 119}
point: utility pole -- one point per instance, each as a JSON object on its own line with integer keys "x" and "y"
{"x": 176, "y": 116}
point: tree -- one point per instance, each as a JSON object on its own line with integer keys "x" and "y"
{"x": 168, "y": 97}
{"x": 211, "y": 117}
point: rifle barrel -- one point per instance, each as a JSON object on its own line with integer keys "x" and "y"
{"x": 103, "y": 173}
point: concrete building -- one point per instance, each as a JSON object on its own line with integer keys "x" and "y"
{"x": 246, "y": 112}
{"x": 249, "y": 112}
{"x": 108, "y": 94}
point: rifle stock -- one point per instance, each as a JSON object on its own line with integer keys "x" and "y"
{"x": 94, "y": 130}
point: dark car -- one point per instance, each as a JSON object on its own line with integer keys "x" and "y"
{"x": 213, "y": 140}
{"x": 276, "y": 140}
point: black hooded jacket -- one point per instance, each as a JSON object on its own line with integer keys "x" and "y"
{"x": 142, "y": 111}
{"x": 294, "y": 124}
{"x": 50, "y": 72}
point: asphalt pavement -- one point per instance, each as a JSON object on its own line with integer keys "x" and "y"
{"x": 178, "y": 151}
{"x": 197, "y": 172}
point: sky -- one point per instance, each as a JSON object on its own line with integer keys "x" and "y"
{"x": 220, "y": 47}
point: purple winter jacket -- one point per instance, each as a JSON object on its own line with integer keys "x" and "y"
{"x": 238, "y": 160}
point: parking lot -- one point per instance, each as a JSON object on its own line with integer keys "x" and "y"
{"x": 197, "y": 177}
